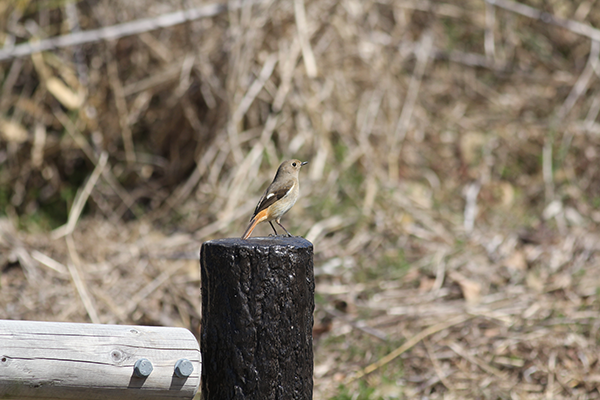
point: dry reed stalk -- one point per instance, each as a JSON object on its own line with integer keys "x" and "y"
{"x": 121, "y": 106}
{"x": 81, "y": 198}
{"x": 49, "y": 262}
{"x": 408, "y": 344}
{"x": 80, "y": 285}
{"x": 574, "y": 26}
{"x": 114, "y": 32}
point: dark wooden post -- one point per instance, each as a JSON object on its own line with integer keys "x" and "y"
{"x": 257, "y": 318}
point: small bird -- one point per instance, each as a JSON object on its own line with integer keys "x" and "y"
{"x": 279, "y": 197}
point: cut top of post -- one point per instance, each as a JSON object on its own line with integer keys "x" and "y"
{"x": 263, "y": 241}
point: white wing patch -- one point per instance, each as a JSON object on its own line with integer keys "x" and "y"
{"x": 270, "y": 195}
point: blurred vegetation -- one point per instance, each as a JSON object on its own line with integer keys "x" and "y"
{"x": 453, "y": 148}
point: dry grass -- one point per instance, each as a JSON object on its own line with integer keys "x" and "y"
{"x": 452, "y": 194}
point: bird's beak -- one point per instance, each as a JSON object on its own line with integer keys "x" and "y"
{"x": 304, "y": 162}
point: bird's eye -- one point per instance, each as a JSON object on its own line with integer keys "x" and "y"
{"x": 293, "y": 164}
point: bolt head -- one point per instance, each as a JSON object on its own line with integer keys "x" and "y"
{"x": 183, "y": 368}
{"x": 143, "y": 368}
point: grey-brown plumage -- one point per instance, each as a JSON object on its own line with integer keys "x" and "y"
{"x": 279, "y": 197}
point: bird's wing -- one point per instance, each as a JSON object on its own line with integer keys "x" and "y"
{"x": 271, "y": 195}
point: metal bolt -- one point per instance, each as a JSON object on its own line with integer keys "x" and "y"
{"x": 142, "y": 368}
{"x": 183, "y": 368}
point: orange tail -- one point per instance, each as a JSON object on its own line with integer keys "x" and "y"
{"x": 260, "y": 217}
{"x": 250, "y": 228}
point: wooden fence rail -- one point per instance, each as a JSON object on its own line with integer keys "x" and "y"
{"x": 52, "y": 360}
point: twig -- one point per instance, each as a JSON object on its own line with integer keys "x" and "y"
{"x": 440, "y": 273}
{"x": 184, "y": 190}
{"x": 49, "y": 262}
{"x": 527, "y": 11}
{"x": 366, "y": 329}
{"x": 410, "y": 343}
{"x": 547, "y": 168}
{"x": 582, "y": 82}
{"x": 26, "y": 261}
{"x": 79, "y": 283}
{"x": 435, "y": 7}
{"x": 255, "y": 88}
{"x": 240, "y": 211}
{"x": 243, "y": 106}
{"x": 184, "y": 84}
{"x": 75, "y": 134}
{"x": 458, "y": 349}
{"x": 490, "y": 19}
{"x": 79, "y": 57}
{"x": 9, "y": 237}
{"x": 10, "y": 80}
{"x": 81, "y": 199}
{"x": 240, "y": 181}
{"x": 370, "y": 195}
{"x": 550, "y": 391}
{"x": 287, "y": 64}
{"x": 307, "y": 54}
{"x": 436, "y": 365}
{"x": 78, "y": 138}
{"x": 461, "y": 57}
{"x": 592, "y": 113}
{"x": 366, "y": 123}
{"x": 117, "y": 31}
{"x": 151, "y": 287}
{"x": 121, "y": 106}
{"x": 169, "y": 73}
{"x": 423, "y": 52}
{"x": 471, "y": 193}
{"x": 39, "y": 142}
{"x": 327, "y": 225}
{"x": 156, "y": 47}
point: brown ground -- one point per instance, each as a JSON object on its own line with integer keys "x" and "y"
{"x": 452, "y": 195}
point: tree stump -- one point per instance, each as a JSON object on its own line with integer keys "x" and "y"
{"x": 257, "y": 319}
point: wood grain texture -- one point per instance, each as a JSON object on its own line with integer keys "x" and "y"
{"x": 52, "y": 360}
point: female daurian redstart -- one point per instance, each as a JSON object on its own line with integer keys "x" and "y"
{"x": 279, "y": 197}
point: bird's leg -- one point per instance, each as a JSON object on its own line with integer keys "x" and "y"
{"x": 274, "y": 228}
{"x": 279, "y": 223}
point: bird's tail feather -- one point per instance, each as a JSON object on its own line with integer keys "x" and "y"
{"x": 250, "y": 228}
